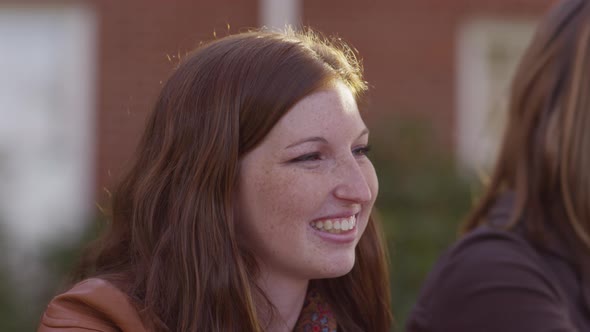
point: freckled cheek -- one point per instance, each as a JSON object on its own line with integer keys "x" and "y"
{"x": 289, "y": 196}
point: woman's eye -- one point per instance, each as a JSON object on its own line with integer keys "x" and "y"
{"x": 307, "y": 157}
{"x": 362, "y": 150}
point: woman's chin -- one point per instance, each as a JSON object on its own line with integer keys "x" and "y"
{"x": 336, "y": 267}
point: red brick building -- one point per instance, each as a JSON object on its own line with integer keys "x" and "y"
{"x": 410, "y": 52}
{"x": 408, "y": 47}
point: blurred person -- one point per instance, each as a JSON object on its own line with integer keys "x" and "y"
{"x": 248, "y": 206}
{"x": 523, "y": 263}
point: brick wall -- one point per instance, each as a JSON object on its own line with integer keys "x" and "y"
{"x": 136, "y": 38}
{"x": 408, "y": 48}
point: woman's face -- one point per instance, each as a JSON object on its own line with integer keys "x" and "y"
{"x": 306, "y": 192}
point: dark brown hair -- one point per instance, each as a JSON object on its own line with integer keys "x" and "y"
{"x": 172, "y": 244}
{"x": 545, "y": 156}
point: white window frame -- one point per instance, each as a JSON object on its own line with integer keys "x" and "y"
{"x": 488, "y": 51}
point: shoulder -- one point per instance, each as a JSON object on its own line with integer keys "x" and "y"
{"x": 91, "y": 305}
{"x": 489, "y": 260}
{"x": 487, "y": 247}
{"x": 491, "y": 278}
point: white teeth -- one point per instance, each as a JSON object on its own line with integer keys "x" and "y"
{"x": 335, "y": 226}
{"x": 344, "y": 225}
{"x": 319, "y": 224}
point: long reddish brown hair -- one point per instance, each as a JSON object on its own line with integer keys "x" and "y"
{"x": 172, "y": 243}
{"x": 545, "y": 156}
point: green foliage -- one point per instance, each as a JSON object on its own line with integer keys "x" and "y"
{"x": 12, "y": 313}
{"x": 19, "y": 311}
{"x": 422, "y": 200}
{"x": 59, "y": 260}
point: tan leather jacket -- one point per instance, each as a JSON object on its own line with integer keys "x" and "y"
{"x": 98, "y": 306}
{"x": 91, "y": 305}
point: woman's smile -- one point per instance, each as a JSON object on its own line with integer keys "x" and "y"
{"x": 335, "y": 225}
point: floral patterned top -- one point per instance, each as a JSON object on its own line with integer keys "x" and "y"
{"x": 316, "y": 315}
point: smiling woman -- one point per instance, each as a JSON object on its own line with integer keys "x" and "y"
{"x": 248, "y": 207}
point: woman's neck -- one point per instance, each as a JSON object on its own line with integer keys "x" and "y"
{"x": 286, "y": 295}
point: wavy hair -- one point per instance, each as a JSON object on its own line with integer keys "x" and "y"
{"x": 171, "y": 245}
{"x": 545, "y": 156}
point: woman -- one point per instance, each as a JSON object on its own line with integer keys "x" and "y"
{"x": 524, "y": 261}
{"x": 248, "y": 205}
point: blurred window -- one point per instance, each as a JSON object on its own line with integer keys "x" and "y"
{"x": 46, "y": 120}
{"x": 278, "y": 13}
{"x": 488, "y": 52}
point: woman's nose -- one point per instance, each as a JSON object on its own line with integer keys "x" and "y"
{"x": 352, "y": 183}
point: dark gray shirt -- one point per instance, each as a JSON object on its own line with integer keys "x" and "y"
{"x": 495, "y": 280}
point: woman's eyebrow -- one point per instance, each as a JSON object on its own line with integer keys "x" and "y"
{"x": 307, "y": 140}
{"x": 321, "y": 139}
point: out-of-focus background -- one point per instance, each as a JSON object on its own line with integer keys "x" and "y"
{"x": 77, "y": 79}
